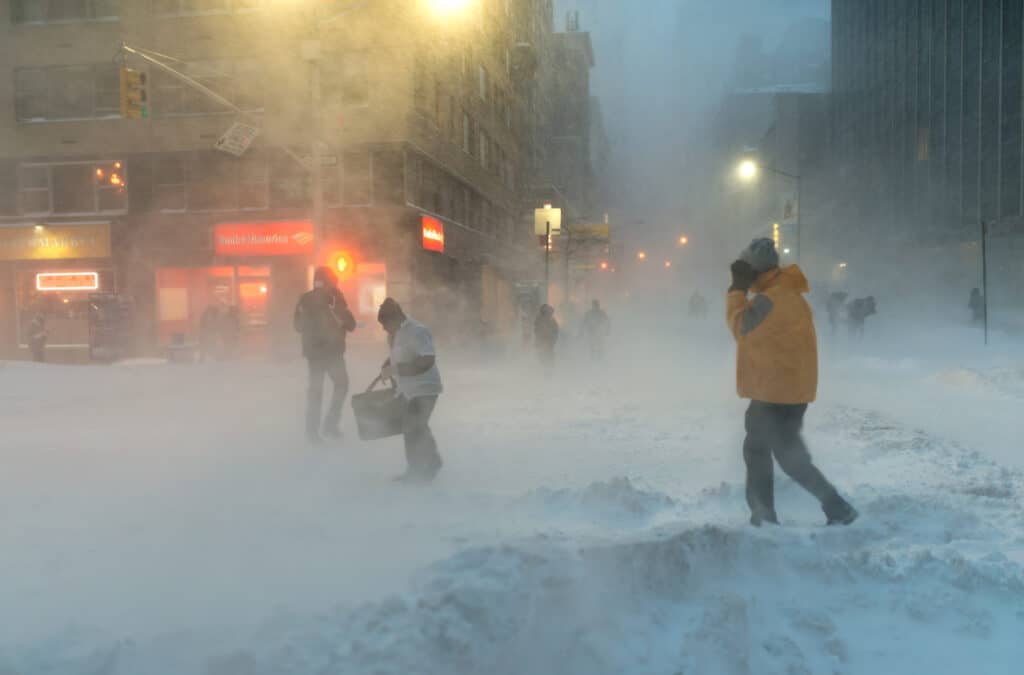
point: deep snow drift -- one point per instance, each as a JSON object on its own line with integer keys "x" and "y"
{"x": 159, "y": 520}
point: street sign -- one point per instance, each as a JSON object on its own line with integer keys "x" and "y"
{"x": 543, "y": 217}
{"x": 237, "y": 139}
{"x": 592, "y": 231}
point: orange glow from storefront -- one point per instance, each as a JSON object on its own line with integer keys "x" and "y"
{"x": 433, "y": 234}
{"x": 343, "y": 264}
{"x": 68, "y": 281}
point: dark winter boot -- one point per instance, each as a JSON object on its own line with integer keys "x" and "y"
{"x": 838, "y": 511}
{"x": 763, "y": 516}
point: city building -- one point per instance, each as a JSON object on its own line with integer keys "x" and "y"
{"x": 927, "y": 124}
{"x": 430, "y": 126}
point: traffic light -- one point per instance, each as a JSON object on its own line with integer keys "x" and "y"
{"x": 134, "y": 101}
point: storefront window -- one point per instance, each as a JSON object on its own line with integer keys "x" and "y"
{"x": 66, "y": 312}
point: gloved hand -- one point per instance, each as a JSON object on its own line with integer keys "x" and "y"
{"x": 743, "y": 276}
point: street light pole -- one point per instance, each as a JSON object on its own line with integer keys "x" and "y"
{"x": 547, "y": 263}
{"x": 984, "y": 275}
{"x": 748, "y": 171}
{"x": 317, "y": 169}
{"x": 799, "y": 218}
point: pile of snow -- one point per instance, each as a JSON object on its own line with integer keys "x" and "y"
{"x": 614, "y": 500}
{"x": 929, "y": 580}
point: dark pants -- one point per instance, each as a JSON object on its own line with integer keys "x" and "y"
{"x": 420, "y": 446}
{"x": 39, "y": 352}
{"x": 546, "y": 356}
{"x": 775, "y": 429}
{"x": 334, "y": 368}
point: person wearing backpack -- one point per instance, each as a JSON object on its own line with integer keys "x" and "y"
{"x": 323, "y": 319}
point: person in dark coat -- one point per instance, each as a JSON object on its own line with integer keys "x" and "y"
{"x": 209, "y": 332}
{"x": 977, "y": 306}
{"x": 37, "y": 337}
{"x": 231, "y": 331}
{"x": 545, "y": 336}
{"x": 857, "y": 313}
{"x": 833, "y": 306}
{"x": 698, "y": 306}
{"x": 323, "y": 319}
{"x": 597, "y": 327}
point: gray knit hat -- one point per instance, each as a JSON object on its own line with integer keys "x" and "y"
{"x": 761, "y": 255}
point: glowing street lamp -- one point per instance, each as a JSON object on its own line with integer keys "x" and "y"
{"x": 747, "y": 170}
{"x": 641, "y": 256}
{"x": 683, "y": 241}
{"x": 668, "y": 264}
{"x": 448, "y": 7}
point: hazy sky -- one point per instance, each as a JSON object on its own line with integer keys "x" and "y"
{"x": 662, "y": 66}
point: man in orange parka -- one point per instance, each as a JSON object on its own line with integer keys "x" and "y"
{"x": 777, "y": 369}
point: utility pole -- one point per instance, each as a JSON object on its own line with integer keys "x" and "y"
{"x": 311, "y": 51}
{"x": 547, "y": 263}
{"x": 568, "y": 253}
{"x": 799, "y": 217}
{"x": 984, "y": 275}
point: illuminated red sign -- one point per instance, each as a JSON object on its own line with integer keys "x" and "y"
{"x": 433, "y": 234}
{"x": 282, "y": 237}
{"x": 68, "y": 281}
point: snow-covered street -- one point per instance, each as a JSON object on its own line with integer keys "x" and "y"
{"x": 159, "y": 520}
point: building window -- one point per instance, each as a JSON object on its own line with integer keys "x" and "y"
{"x": 187, "y": 7}
{"x": 66, "y": 93}
{"x": 467, "y": 134}
{"x": 55, "y": 11}
{"x": 357, "y": 178}
{"x": 218, "y": 182}
{"x": 355, "y": 78}
{"x": 169, "y": 183}
{"x": 72, "y": 188}
{"x": 346, "y": 80}
{"x": 239, "y": 82}
{"x": 484, "y": 86}
{"x": 484, "y": 143}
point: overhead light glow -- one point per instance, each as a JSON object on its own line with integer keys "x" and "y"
{"x": 448, "y": 7}
{"x": 747, "y": 170}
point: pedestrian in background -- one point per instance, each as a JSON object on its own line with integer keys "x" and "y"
{"x": 323, "y": 320}
{"x": 976, "y": 305}
{"x": 209, "y": 332}
{"x": 777, "y": 369}
{"x": 698, "y": 306}
{"x": 545, "y": 337}
{"x": 412, "y": 365}
{"x": 834, "y": 306}
{"x": 37, "y": 337}
{"x": 597, "y": 327}
{"x": 857, "y": 313}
